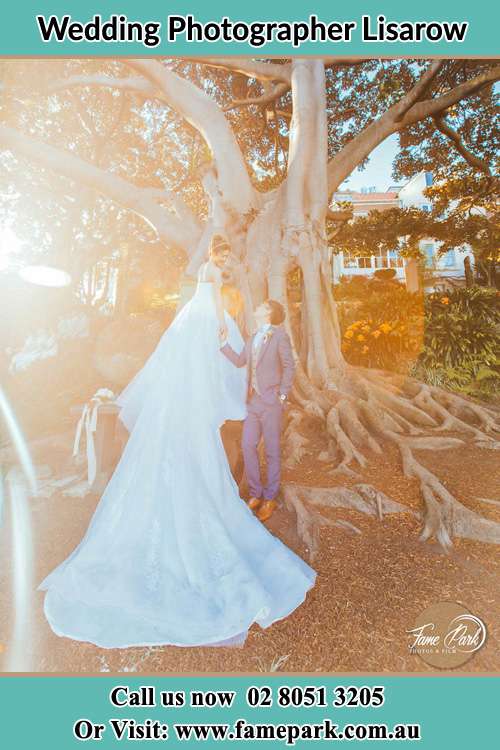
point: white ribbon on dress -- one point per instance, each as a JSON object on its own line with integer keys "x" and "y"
{"x": 88, "y": 420}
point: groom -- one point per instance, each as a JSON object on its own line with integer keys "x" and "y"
{"x": 270, "y": 365}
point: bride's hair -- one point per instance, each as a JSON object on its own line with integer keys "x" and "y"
{"x": 232, "y": 299}
{"x": 218, "y": 246}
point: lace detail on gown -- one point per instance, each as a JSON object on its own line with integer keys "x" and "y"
{"x": 172, "y": 555}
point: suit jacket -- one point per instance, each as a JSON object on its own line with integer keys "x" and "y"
{"x": 275, "y": 365}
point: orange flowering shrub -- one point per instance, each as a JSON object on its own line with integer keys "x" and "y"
{"x": 376, "y": 344}
{"x": 382, "y": 328}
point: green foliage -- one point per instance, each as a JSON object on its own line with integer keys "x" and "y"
{"x": 450, "y": 340}
{"x": 399, "y": 229}
{"x": 379, "y": 298}
{"x": 385, "y": 274}
{"x": 474, "y": 119}
{"x": 460, "y": 327}
{"x": 462, "y": 343}
{"x": 473, "y": 378}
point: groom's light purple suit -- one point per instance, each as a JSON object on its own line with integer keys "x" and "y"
{"x": 274, "y": 371}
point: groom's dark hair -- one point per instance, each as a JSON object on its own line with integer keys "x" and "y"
{"x": 277, "y": 312}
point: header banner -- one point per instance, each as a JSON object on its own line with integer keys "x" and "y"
{"x": 122, "y": 28}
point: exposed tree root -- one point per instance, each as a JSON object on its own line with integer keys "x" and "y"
{"x": 495, "y": 503}
{"x": 372, "y": 406}
{"x": 307, "y": 502}
{"x": 296, "y": 443}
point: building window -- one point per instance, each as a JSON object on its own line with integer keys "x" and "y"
{"x": 395, "y": 261}
{"x": 365, "y": 262}
{"x": 389, "y": 259}
{"x": 428, "y": 250}
{"x": 448, "y": 259}
{"x": 353, "y": 261}
{"x": 349, "y": 261}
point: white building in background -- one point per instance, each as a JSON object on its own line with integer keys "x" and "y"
{"x": 347, "y": 264}
{"x": 448, "y": 269}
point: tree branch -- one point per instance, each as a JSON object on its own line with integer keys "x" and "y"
{"x": 469, "y": 157}
{"x": 271, "y": 94}
{"x": 264, "y": 71}
{"x": 341, "y": 165}
{"x": 250, "y": 68}
{"x": 361, "y": 146}
{"x": 340, "y": 216}
{"x": 302, "y": 137}
{"x": 206, "y": 116}
{"x": 418, "y": 90}
{"x": 158, "y": 82}
{"x": 134, "y": 85}
{"x": 166, "y": 197}
{"x": 179, "y": 233}
{"x": 431, "y": 107}
{"x": 337, "y": 62}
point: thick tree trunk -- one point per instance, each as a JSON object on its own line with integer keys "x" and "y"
{"x": 274, "y": 234}
{"x": 360, "y": 409}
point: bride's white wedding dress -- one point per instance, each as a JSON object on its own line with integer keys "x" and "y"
{"x": 172, "y": 554}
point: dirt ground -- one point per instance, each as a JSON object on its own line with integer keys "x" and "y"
{"x": 370, "y": 587}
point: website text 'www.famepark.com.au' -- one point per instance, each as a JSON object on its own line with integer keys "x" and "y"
{"x": 289, "y": 734}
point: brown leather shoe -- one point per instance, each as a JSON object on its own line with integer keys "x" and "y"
{"x": 266, "y": 510}
{"x": 254, "y": 503}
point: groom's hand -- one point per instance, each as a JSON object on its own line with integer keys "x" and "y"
{"x": 223, "y": 335}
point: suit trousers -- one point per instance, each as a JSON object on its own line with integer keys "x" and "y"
{"x": 263, "y": 420}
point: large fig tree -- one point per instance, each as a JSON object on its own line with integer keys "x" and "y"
{"x": 273, "y": 141}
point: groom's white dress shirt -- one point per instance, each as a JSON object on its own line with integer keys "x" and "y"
{"x": 257, "y": 343}
{"x": 259, "y": 336}
{"x": 261, "y": 332}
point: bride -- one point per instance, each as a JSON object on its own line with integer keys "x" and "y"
{"x": 172, "y": 554}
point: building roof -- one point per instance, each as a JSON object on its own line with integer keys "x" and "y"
{"x": 358, "y": 197}
{"x": 370, "y": 197}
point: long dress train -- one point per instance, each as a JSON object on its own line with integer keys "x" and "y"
{"x": 172, "y": 554}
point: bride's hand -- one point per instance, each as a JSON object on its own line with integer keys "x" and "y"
{"x": 223, "y": 332}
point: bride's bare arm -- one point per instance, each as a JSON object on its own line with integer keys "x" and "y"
{"x": 215, "y": 275}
